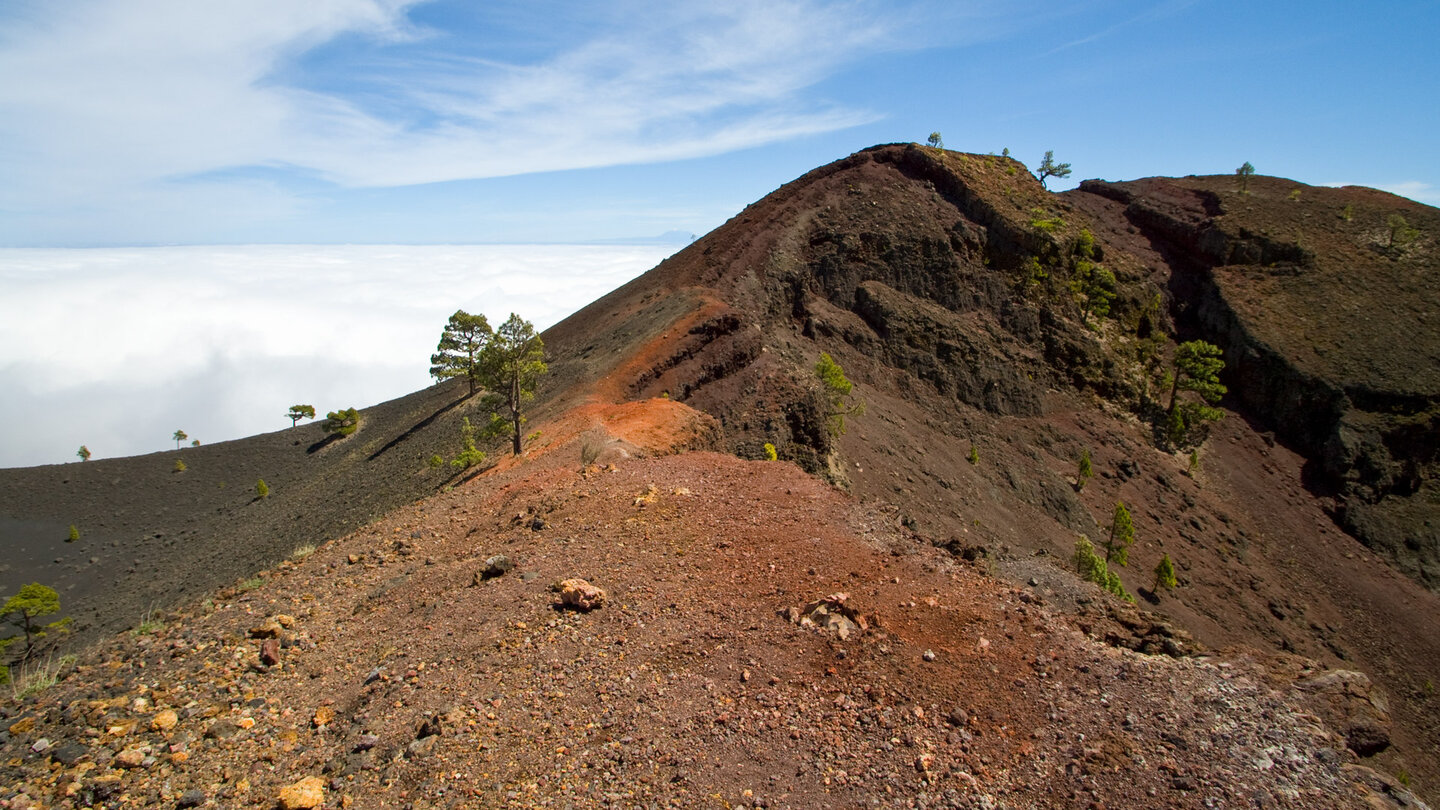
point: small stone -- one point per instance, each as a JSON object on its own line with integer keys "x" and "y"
{"x": 958, "y": 717}
{"x": 323, "y": 717}
{"x": 68, "y": 754}
{"x": 164, "y": 721}
{"x": 495, "y": 566}
{"x": 130, "y": 758}
{"x": 421, "y": 747}
{"x": 191, "y": 798}
{"x": 365, "y": 742}
{"x": 929, "y": 655}
{"x": 306, "y": 794}
{"x": 270, "y": 652}
{"x": 268, "y": 629}
{"x": 285, "y": 620}
{"x": 581, "y": 595}
{"x": 222, "y": 730}
{"x": 353, "y": 559}
{"x": 24, "y": 725}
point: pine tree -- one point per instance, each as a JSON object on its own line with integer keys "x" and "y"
{"x": 25, "y": 608}
{"x": 179, "y": 437}
{"x": 1196, "y": 368}
{"x": 511, "y": 365}
{"x": 1049, "y": 168}
{"x": 1164, "y": 575}
{"x": 1400, "y": 231}
{"x": 462, "y": 342}
{"x": 83, "y": 453}
{"x": 1094, "y": 286}
{"x": 1122, "y": 536}
{"x": 837, "y": 389}
{"x": 342, "y": 423}
{"x": 1086, "y": 470}
{"x": 1243, "y": 175}
{"x": 298, "y": 412}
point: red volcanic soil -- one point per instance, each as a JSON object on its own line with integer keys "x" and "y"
{"x": 404, "y": 678}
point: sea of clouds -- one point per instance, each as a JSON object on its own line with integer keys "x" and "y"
{"x": 117, "y": 348}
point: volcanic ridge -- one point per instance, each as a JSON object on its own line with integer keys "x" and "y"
{"x": 884, "y": 616}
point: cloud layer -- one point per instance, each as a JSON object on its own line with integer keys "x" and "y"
{"x": 117, "y": 348}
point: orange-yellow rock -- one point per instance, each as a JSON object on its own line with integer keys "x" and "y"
{"x": 581, "y": 595}
{"x": 164, "y": 721}
{"x": 306, "y": 794}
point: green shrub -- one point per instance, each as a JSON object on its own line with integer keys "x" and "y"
{"x": 74, "y": 534}
{"x": 770, "y": 454}
{"x": 1164, "y": 575}
{"x": 436, "y": 461}
{"x": 1040, "y": 220}
{"x": 262, "y": 489}
{"x": 974, "y": 457}
{"x": 150, "y": 622}
{"x": 837, "y": 392}
{"x": 469, "y": 455}
{"x": 37, "y": 676}
{"x": 342, "y": 423}
{"x": 1092, "y": 568}
{"x": 592, "y": 443}
{"x": 180, "y": 466}
{"x": 1086, "y": 470}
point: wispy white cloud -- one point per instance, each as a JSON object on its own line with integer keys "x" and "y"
{"x": 111, "y": 105}
{"x": 215, "y": 339}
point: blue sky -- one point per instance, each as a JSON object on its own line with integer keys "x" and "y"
{"x": 390, "y": 121}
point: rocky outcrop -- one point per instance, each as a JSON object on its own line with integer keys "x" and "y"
{"x": 1349, "y": 703}
{"x": 1289, "y": 281}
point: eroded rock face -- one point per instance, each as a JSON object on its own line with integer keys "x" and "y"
{"x": 1327, "y": 335}
{"x": 1350, "y": 704}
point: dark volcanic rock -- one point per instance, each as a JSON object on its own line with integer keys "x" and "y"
{"x": 1328, "y": 333}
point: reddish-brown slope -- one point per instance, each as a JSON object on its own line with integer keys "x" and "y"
{"x": 404, "y": 681}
